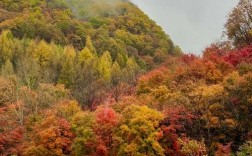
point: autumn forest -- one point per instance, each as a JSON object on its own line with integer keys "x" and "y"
{"x": 100, "y": 78}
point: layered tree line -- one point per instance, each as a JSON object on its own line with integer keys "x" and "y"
{"x": 99, "y": 78}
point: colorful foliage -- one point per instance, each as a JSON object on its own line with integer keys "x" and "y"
{"x": 75, "y": 79}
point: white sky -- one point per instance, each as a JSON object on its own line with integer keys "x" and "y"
{"x": 191, "y": 24}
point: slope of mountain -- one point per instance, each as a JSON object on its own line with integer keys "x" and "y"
{"x": 87, "y": 45}
{"x": 116, "y": 26}
{"x": 72, "y": 82}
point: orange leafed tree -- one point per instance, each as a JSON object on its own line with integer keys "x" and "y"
{"x": 51, "y": 137}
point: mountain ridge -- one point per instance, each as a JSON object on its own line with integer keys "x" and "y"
{"x": 127, "y": 28}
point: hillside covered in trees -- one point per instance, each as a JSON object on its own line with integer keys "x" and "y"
{"x": 99, "y": 78}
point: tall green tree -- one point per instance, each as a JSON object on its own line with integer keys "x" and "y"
{"x": 105, "y": 66}
{"x": 7, "y": 68}
{"x": 6, "y": 46}
{"x": 85, "y": 56}
{"x": 90, "y": 45}
{"x": 131, "y": 70}
{"x": 67, "y": 72}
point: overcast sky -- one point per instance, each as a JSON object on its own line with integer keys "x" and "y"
{"x": 192, "y": 24}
